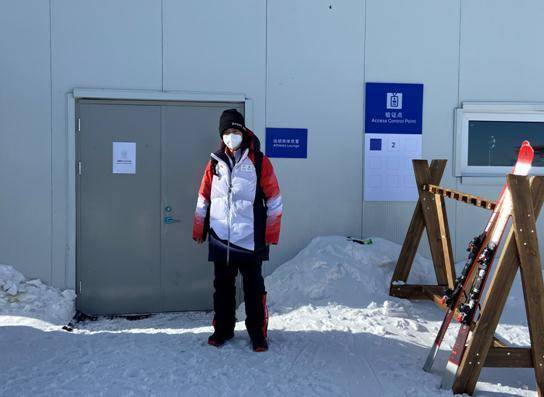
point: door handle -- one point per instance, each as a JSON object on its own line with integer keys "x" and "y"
{"x": 169, "y": 220}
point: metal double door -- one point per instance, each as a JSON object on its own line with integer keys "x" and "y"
{"x": 139, "y": 167}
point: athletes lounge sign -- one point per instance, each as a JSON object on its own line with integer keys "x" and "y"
{"x": 287, "y": 142}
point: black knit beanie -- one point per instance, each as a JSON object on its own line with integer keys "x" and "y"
{"x": 231, "y": 118}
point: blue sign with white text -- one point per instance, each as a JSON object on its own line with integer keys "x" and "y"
{"x": 393, "y": 108}
{"x": 287, "y": 142}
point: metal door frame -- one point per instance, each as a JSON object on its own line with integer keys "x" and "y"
{"x": 72, "y": 128}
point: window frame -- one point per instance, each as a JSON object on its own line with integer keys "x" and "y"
{"x": 489, "y": 112}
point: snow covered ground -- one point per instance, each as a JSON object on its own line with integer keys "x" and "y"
{"x": 334, "y": 331}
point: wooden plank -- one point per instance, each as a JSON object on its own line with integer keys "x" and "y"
{"x": 530, "y": 267}
{"x": 460, "y": 196}
{"x": 435, "y": 294}
{"x": 498, "y": 342}
{"x": 430, "y": 214}
{"x": 509, "y": 357}
{"x": 409, "y": 247}
{"x": 445, "y": 239}
{"x": 416, "y": 292}
{"x": 493, "y": 305}
{"x": 415, "y": 230}
{"x": 421, "y": 292}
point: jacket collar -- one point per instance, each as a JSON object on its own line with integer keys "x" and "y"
{"x": 224, "y": 157}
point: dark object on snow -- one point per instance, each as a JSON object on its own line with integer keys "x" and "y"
{"x": 78, "y": 317}
{"x": 135, "y": 317}
{"x": 81, "y": 317}
{"x": 366, "y": 241}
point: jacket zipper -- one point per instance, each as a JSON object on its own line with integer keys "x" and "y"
{"x": 228, "y": 218}
{"x": 228, "y": 208}
{"x": 244, "y": 155}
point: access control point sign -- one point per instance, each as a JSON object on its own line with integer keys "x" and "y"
{"x": 393, "y": 108}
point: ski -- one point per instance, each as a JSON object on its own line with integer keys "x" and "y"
{"x": 469, "y": 309}
{"x": 453, "y": 297}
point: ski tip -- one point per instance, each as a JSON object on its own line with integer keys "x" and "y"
{"x": 526, "y": 150}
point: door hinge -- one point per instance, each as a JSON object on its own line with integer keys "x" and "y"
{"x": 78, "y": 124}
{"x": 79, "y": 167}
{"x": 80, "y": 286}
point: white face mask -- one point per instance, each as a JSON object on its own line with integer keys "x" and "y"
{"x": 232, "y": 141}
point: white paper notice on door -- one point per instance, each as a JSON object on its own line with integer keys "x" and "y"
{"x": 124, "y": 157}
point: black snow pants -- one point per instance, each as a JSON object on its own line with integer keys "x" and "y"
{"x": 224, "y": 298}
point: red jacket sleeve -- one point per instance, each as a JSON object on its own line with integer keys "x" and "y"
{"x": 202, "y": 204}
{"x": 271, "y": 190}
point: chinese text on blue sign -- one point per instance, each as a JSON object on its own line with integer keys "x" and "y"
{"x": 287, "y": 142}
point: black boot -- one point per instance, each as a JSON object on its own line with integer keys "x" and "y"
{"x": 259, "y": 343}
{"x": 218, "y": 339}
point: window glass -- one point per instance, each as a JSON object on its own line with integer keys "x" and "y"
{"x": 496, "y": 143}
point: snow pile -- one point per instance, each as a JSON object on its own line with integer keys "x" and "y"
{"x": 10, "y": 279}
{"x": 336, "y": 270}
{"x": 333, "y": 270}
{"x": 27, "y": 300}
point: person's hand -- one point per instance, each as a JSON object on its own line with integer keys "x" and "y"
{"x": 199, "y": 240}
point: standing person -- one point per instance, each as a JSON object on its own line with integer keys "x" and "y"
{"x": 239, "y": 209}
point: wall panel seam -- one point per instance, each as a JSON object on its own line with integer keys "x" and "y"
{"x": 362, "y": 132}
{"x": 455, "y": 235}
{"x": 162, "y": 45}
{"x": 265, "y": 69}
{"x": 51, "y": 207}
{"x": 459, "y": 55}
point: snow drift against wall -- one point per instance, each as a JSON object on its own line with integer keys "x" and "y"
{"x": 22, "y": 298}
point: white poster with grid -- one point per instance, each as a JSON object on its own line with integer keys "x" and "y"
{"x": 389, "y": 175}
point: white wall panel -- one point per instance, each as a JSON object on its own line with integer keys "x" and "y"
{"x": 25, "y": 137}
{"x": 501, "y": 50}
{"x": 415, "y": 42}
{"x": 217, "y": 47}
{"x": 315, "y": 75}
